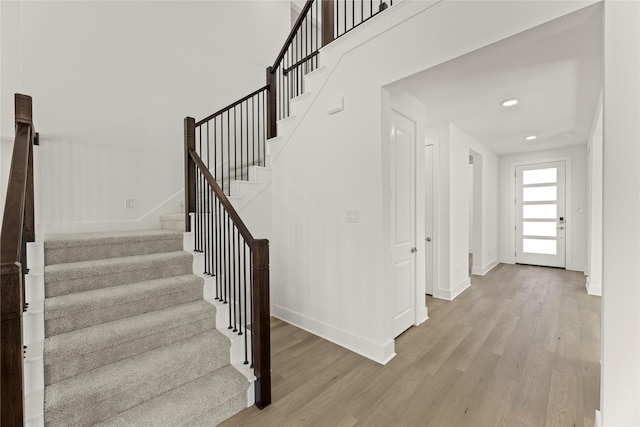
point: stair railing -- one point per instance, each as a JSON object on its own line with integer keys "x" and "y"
{"x": 319, "y": 23}
{"x": 224, "y": 145}
{"x": 18, "y": 228}
{"x": 238, "y": 263}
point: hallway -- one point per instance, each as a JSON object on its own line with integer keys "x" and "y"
{"x": 520, "y": 347}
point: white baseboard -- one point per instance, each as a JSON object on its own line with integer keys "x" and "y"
{"x": 381, "y": 353}
{"x": 507, "y": 260}
{"x": 575, "y": 267}
{"x": 451, "y": 294}
{"x": 597, "y": 422}
{"x": 481, "y": 271}
{"x": 593, "y": 288}
{"x": 422, "y": 316}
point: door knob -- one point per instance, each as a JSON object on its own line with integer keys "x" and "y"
{"x": 414, "y": 250}
{"x": 428, "y": 239}
{"x": 559, "y": 228}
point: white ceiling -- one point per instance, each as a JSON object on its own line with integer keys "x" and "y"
{"x": 554, "y": 70}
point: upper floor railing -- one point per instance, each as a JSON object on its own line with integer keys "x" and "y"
{"x": 18, "y": 228}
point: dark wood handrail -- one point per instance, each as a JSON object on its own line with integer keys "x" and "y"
{"x": 292, "y": 34}
{"x": 230, "y": 106}
{"x": 299, "y": 63}
{"x": 242, "y": 228}
{"x": 260, "y": 325}
{"x": 14, "y": 208}
{"x": 17, "y": 229}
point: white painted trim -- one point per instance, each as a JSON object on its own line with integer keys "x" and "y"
{"x": 597, "y": 421}
{"x": 450, "y": 295}
{"x": 381, "y": 353}
{"x": 33, "y": 333}
{"x": 481, "y": 271}
{"x": 593, "y": 288}
{"x": 507, "y": 260}
{"x": 575, "y": 267}
{"x": 422, "y": 316}
{"x": 568, "y": 205}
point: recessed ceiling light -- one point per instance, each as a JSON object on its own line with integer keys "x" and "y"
{"x": 530, "y": 137}
{"x": 509, "y": 102}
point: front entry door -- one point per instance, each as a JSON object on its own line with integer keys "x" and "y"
{"x": 403, "y": 207}
{"x": 540, "y": 214}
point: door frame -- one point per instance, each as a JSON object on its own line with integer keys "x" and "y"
{"x": 568, "y": 206}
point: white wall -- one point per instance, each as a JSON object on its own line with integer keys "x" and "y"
{"x": 453, "y": 193}
{"x": 9, "y": 76}
{"x": 328, "y": 275}
{"x": 111, "y": 83}
{"x": 575, "y": 210}
{"x": 594, "y": 197}
{"x": 620, "y": 383}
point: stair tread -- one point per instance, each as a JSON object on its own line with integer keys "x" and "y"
{"x": 88, "y": 301}
{"x": 94, "y": 395}
{"x": 90, "y": 239}
{"x": 186, "y": 402}
{"x": 98, "y": 337}
{"x": 73, "y": 270}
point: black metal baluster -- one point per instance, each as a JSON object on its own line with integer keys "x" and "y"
{"x": 228, "y": 150}
{"x": 219, "y": 274}
{"x": 234, "y": 299}
{"x": 238, "y": 284}
{"x": 244, "y": 281}
{"x": 246, "y": 139}
{"x": 251, "y": 303}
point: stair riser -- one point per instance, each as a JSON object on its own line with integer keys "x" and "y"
{"x": 207, "y": 401}
{"x": 57, "y": 369}
{"x": 95, "y": 280}
{"x": 106, "y": 401}
{"x": 114, "y": 250}
{"x": 220, "y": 413}
{"x": 59, "y": 325}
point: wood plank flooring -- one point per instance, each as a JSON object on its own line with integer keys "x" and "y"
{"x": 521, "y": 347}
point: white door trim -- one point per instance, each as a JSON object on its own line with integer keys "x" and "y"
{"x": 568, "y": 206}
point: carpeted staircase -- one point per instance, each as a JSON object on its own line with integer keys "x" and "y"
{"x": 129, "y": 340}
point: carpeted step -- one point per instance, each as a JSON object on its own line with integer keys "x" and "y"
{"x": 206, "y": 401}
{"x": 63, "y": 279}
{"x": 75, "y": 352}
{"x": 80, "y": 310}
{"x": 96, "y": 395}
{"x": 68, "y": 248}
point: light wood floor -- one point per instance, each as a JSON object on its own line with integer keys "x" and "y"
{"x": 520, "y": 347}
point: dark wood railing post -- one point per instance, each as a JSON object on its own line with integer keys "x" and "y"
{"x": 261, "y": 323}
{"x": 17, "y": 227}
{"x": 327, "y": 21}
{"x": 12, "y": 401}
{"x": 189, "y": 171}
{"x": 272, "y": 127}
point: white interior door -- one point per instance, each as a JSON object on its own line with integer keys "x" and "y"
{"x": 403, "y": 202}
{"x": 428, "y": 226}
{"x": 540, "y": 214}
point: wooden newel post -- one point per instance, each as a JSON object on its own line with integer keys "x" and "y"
{"x": 327, "y": 21}
{"x": 261, "y": 323}
{"x": 189, "y": 171}
{"x": 272, "y": 130}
